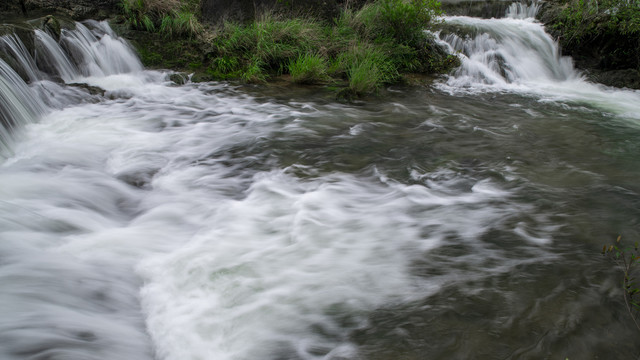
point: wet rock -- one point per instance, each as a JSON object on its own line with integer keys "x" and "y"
{"x": 626, "y": 78}
{"x": 93, "y": 90}
{"x": 179, "y": 78}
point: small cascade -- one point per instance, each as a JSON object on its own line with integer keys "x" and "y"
{"x": 91, "y": 49}
{"x": 99, "y": 52}
{"x": 510, "y": 50}
{"x": 53, "y": 59}
{"x": 18, "y": 106}
{"x": 518, "y": 10}
{"x": 21, "y": 61}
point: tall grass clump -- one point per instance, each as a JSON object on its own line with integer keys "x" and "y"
{"x": 181, "y": 24}
{"x": 308, "y": 69}
{"x": 171, "y": 18}
{"x": 367, "y": 68}
{"x": 270, "y": 44}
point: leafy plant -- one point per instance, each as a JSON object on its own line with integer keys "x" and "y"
{"x": 628, "y": 260}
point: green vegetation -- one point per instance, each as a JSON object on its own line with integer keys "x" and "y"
{"x": 581, "y": 19}
{"x": 610, "y": 25}
{"x": 364, "y": 49}
{"x": 368, "y": 48}
{"x": 171, "y": 18}
{"x": 308, "y": 69}
{"x": 628, "y": 260}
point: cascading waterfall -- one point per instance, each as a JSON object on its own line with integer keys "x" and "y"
{"x": 515, "y": 54}
{"x": 100, "y": 52}
{"x": 511, "y": 50}
{"x": 18, "y": 107}
{"x": 53, "y": 305}
{"x": 53, "y": 59}
{"x": 518, "y": 10}
{"x": 80, "y": 55}
{"x": 22, "y": 62}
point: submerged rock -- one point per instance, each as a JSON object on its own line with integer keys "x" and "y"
{"x": 93, "y": 90}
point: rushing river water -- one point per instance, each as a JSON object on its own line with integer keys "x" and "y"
{"x": 463, "y": 220}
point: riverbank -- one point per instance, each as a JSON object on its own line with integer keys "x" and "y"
{"x": 357, "y": 52}
{"x": 357, "y": 47}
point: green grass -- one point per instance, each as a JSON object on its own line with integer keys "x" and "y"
{"x": 361, "y": 49}
{"x": 368, "y": 48}
{"x": 308, "y": 69}
{"x": 589, "y": 24}
{"x": 368, "y": 68}
{"x": 171, "y": 18}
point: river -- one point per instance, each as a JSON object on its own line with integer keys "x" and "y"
{"x": 459, "y": 220}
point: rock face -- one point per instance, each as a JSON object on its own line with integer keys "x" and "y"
{"x": 76, "y": 9}
{"x": 13, "y": 6}
{"x": 216, "y": 11}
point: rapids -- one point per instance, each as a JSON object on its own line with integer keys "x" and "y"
{"x": 220, "y": 221}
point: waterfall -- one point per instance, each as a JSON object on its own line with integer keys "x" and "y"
{"x": 18, "y": 106}
{"x": 515, "y": 54}
{"x": 91, "y": 50}
{"x": 506, "y": 51}
{"x": 53, "y": 58}
{"x": 23, "y": 63}
{"x": 100, "y": 52}
{"x": 518, "y": 10}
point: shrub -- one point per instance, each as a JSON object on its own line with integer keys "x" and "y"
{"x": 610, "y": 27}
